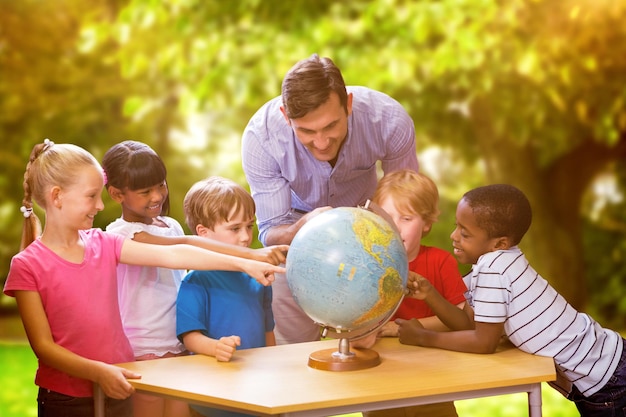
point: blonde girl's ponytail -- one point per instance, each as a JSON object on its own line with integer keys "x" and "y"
{"x": 31, "y": 228}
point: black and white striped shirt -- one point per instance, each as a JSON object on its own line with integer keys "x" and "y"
{"x": 503, "y": 287}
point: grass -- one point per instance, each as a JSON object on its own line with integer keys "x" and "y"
{"x": 17, "y": 373}
{"x": 18, "y": 365}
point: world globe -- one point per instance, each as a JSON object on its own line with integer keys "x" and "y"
{"x": 347, "y": 270}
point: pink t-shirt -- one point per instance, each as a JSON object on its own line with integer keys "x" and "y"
{"x": 80, "y": 301}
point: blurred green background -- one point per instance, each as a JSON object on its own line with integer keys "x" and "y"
{"x": 528, "y": 92}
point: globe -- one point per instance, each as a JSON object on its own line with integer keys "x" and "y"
{"x": 347, "y": 270}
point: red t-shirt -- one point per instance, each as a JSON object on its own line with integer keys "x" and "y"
{"x": 441, "y": 269}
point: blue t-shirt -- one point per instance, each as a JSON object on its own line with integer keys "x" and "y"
{"x": 225, "y": 303}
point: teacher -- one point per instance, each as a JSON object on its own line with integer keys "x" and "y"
{"x": 313, "y": 148}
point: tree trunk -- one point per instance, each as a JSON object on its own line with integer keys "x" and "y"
{"x": 553, "y": 244}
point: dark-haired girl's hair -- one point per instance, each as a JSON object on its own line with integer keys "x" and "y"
{"x": 134, "y": 165}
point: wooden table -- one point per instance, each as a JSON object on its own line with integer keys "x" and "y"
{"x": 277, "y": 380}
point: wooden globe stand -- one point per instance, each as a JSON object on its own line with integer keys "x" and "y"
{"x": 343, "y": 359}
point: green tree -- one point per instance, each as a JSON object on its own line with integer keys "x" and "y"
{"x": 529, "y": 92}
{"x": 50, "y": 88}
{"x": 535, "y": 89}
{"x": 540, "y": 101}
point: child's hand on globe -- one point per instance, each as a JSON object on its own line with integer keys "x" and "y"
{"x": 418, "y": 286}
{"x": 274, "y": 255}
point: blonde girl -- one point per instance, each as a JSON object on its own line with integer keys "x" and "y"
{"x": 65, "y": 283}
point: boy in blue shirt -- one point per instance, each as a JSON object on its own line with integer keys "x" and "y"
{"x": 218, "y": 312}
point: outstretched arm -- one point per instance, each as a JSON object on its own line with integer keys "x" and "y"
{"x": 274, "y": 255}
{"x": 285, "y": 233}
{"x": 111, "y": 378}
{"x": 192, "y": 257}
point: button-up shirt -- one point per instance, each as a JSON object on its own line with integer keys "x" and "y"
{"x": 286, "y": 180}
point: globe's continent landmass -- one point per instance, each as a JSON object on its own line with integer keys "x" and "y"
{"x": 388, "y": 289}
{"x": 368, "y": 233}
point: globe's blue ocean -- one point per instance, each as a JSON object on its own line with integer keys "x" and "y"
{"x": 347, "y": 269}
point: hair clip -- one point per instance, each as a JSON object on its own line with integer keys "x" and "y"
{"x": 104, "y": 175}
{"x": 47, "y": 143}
{"x": 26, "y": 211}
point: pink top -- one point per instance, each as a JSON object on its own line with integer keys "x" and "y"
{"x": 80, "y": 301}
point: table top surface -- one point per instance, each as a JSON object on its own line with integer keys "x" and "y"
{"x": 277, "y": 380}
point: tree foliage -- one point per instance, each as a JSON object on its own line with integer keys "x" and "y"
{"x": 529, "y": 92}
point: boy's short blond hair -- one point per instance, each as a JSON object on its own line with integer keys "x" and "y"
{"x": 211, "y": 201}
{"x": 412, "y": 193}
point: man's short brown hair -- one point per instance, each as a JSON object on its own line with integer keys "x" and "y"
{"x": 308, "y": 85}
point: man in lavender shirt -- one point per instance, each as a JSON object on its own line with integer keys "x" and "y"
{"x": 315, "y": 147}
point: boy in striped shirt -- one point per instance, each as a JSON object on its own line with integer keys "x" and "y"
{"x": 507, "y": 296}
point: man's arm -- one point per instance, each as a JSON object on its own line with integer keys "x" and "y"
{"x": 282, "y": 233}
{"x": 285, "y": 233}
{"x": 270, "y": 190}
